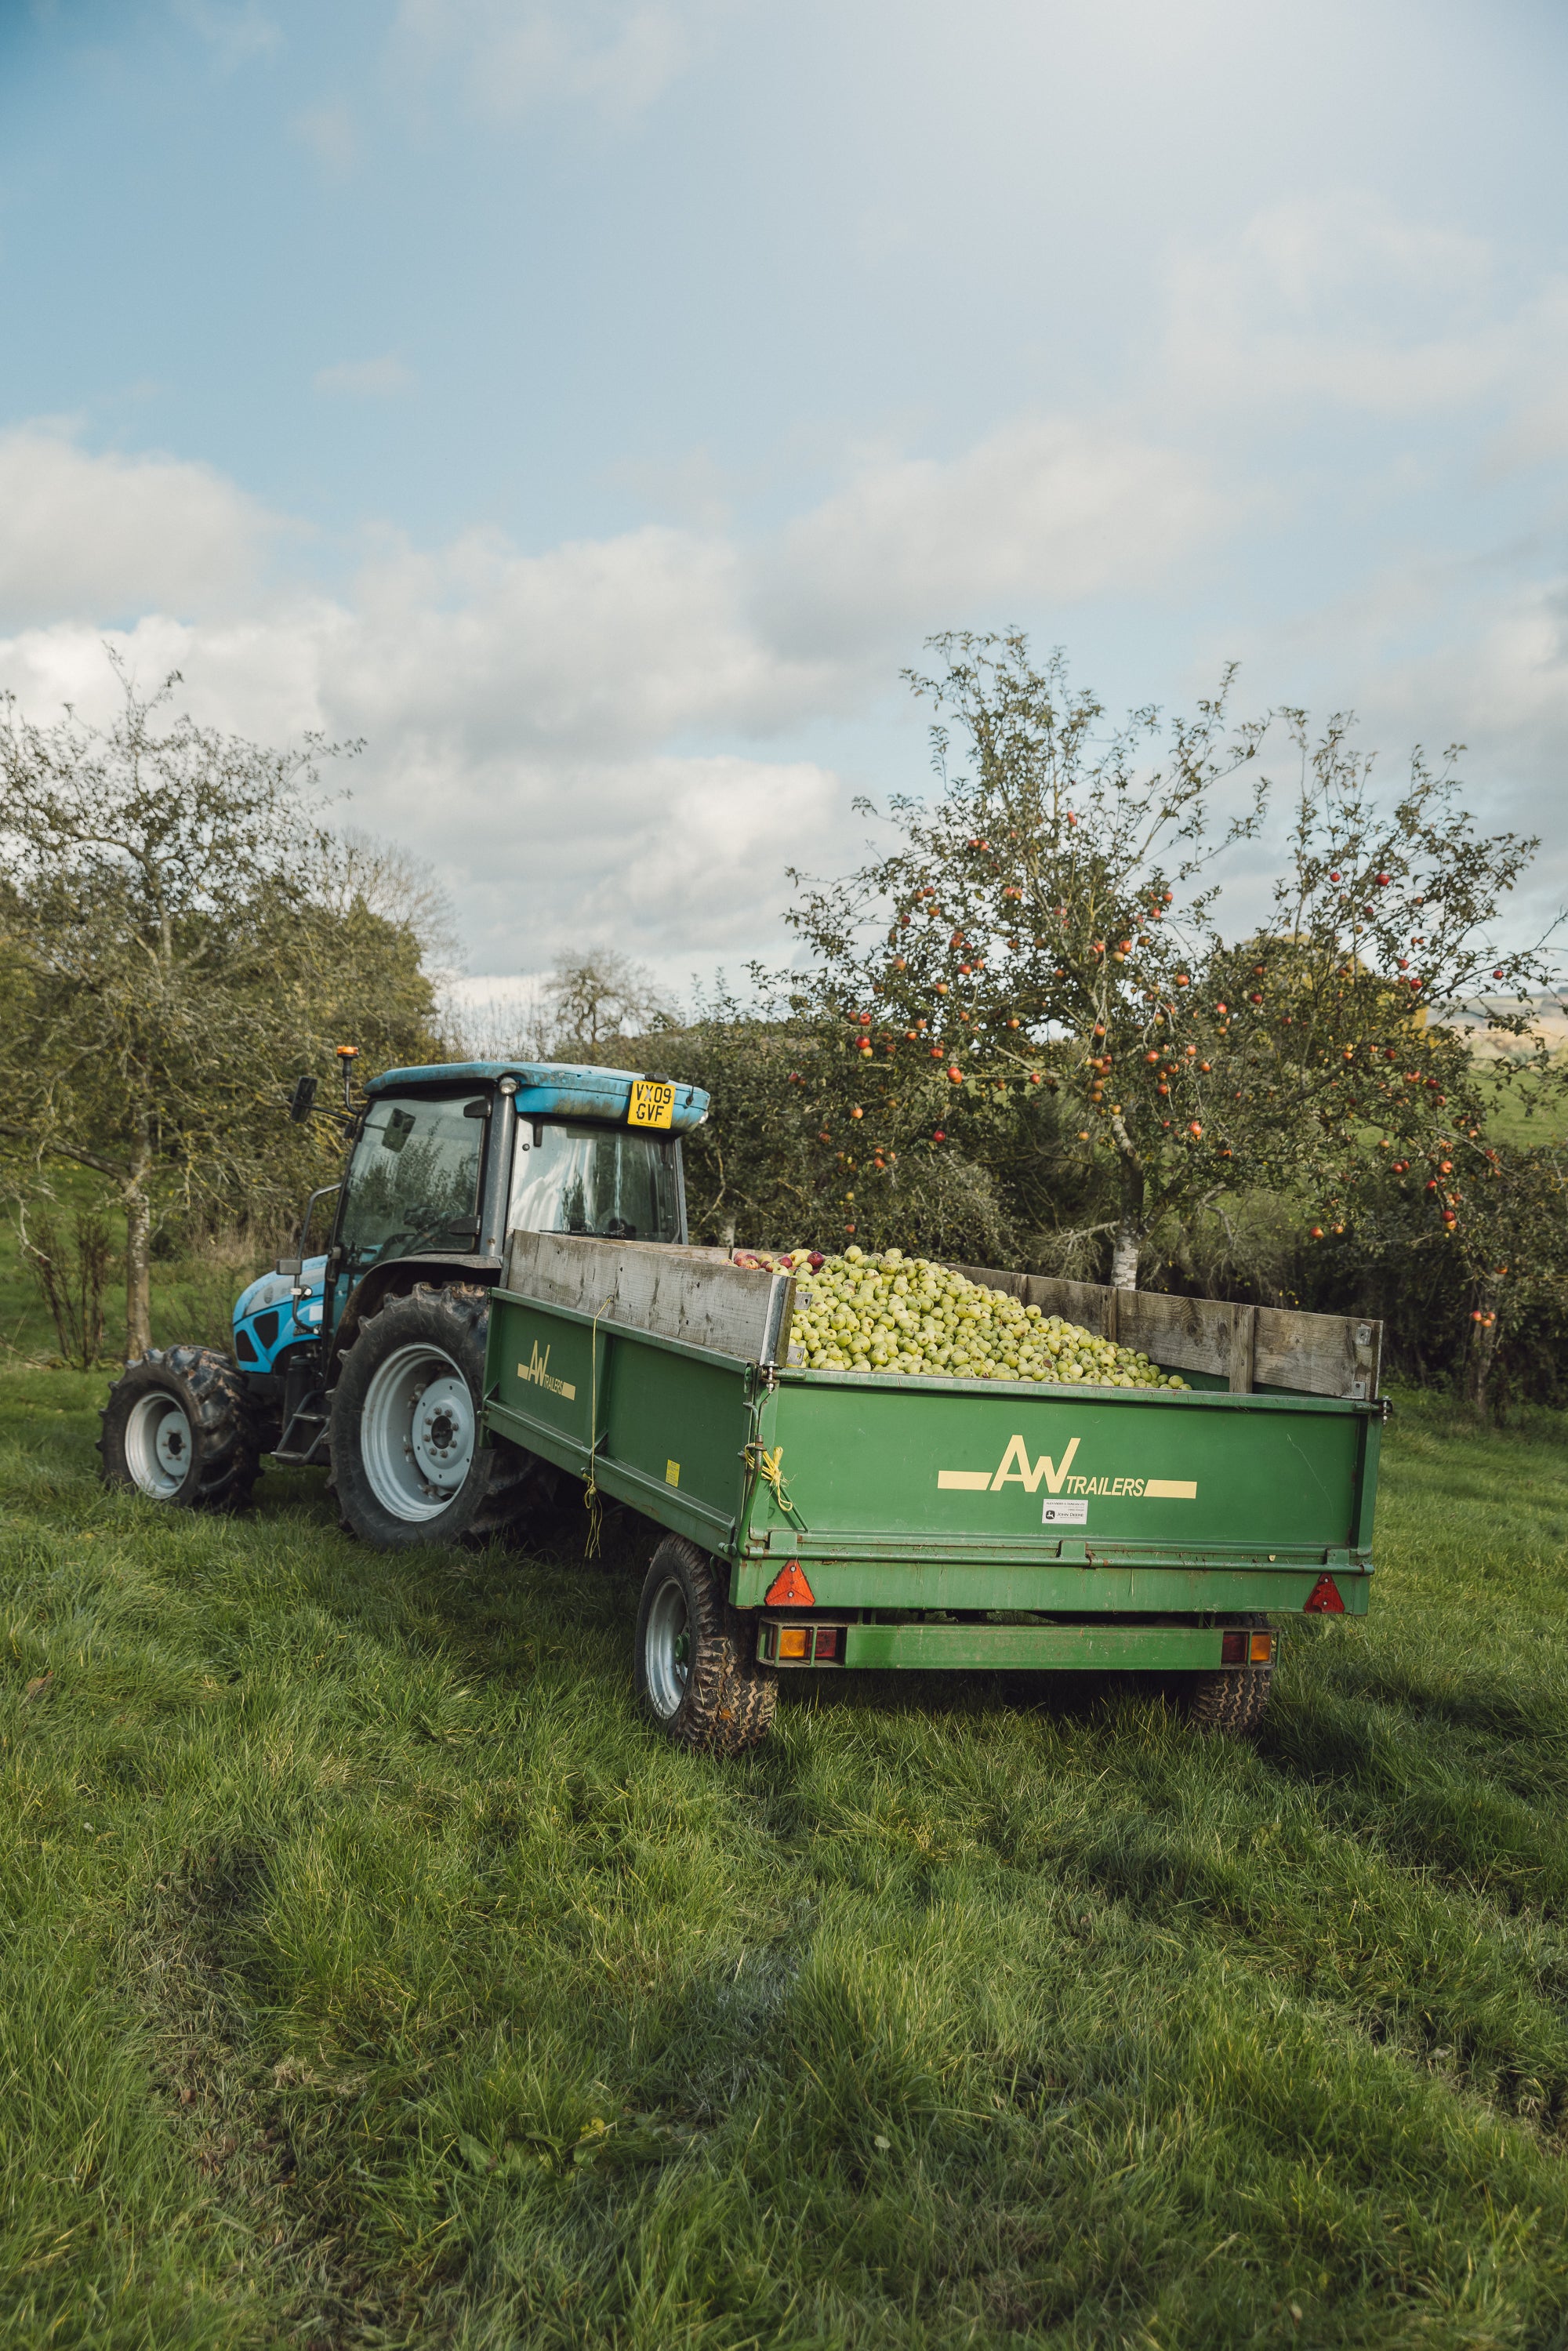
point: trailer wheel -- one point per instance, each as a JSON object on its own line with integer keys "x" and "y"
{"x": 179, "y": 1427}
{"x": 696, "y": 1669}
{"x": 407, "y": 1464}
{"x": 1231, "y": 1703}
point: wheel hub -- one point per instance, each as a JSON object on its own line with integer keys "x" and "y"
{"x": 418, "y": 1431}
{"x": 158, "y": 1444}
{"x": 442, "y": 1441}
{"x": 667, "y": 1657}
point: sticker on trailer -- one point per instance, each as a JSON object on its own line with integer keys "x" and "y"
{"x": 1065, "y": 1514}
{"x": 653, "y": 1103}
{"x": 537, "y": 1369}
{"x": 1015, "y": 1468}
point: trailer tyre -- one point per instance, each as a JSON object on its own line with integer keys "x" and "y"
{"x": 696, "y": 1667}
{"x": 179, "y": 1427}
{"x": 1231, "y": 1703}
{"x": 407, "y": 1468}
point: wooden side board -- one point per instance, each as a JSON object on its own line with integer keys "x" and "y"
{"x": 700, "y": 1296}
{"x": 1322, "y": 1354}
{"x": 1246, "y": 1346}
{"x": 693, "y": 1294}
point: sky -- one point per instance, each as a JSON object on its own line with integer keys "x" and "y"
{"x": 594, "y": 405}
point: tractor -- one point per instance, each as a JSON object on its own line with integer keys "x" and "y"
{"x": 367, "y": 1359}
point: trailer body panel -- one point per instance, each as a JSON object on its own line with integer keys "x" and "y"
{"x": 949, "y": 1496}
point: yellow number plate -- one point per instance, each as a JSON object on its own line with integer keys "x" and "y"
{"x": 653, "y": 1103}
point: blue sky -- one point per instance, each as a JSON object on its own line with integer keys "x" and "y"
{"x": 593, "y": 406}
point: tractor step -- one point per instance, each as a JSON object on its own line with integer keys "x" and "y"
{"x": 303, "y": 1443}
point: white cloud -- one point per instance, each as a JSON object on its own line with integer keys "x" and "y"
{"x": 607, "y": 646}
{"x": 377, "y": 378}
{"x": 1338, "y": 302}
{"x": 329, "y": 132}
{"x": 1437, "y": 653}
{"x": 1048, "y": 509}
{"x": 571, "y": 736}
{"x": 576, "y": 740}
{"x": 617, "y": 56}
{"x": 1507, "y": 700}
{"x": 679, "y": 860}
{"x": 109, "y": 535}
{"x": 236, "y": 33}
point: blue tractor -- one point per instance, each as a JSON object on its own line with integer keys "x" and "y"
{"x": 367, "y": 1359}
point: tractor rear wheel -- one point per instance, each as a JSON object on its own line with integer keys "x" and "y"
{"x": 179, "y": 1427}
{"x": 1231, "y": 1701}
{"x": 407, "y": 1464}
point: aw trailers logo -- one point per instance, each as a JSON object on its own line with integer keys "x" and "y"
{"x": 537, "y": 1369}
{"x": 1015, "y": 1470}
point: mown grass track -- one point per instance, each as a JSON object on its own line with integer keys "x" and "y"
{"x": 373, "y": 1975}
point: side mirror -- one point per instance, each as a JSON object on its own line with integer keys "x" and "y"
{"x": 289, "y": 1267}
{"x": 302, "y": 1101}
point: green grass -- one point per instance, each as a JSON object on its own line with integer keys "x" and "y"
{"x": 1526, "y": 1112}
{"x": 372, "y": 1974}
{"x": 191, "y": 1293}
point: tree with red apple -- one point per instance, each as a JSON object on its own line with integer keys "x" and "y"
{"x": 1031, "y": 977}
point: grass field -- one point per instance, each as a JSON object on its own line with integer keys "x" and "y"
{"x": 192, "y": 1294}
{"x": 1527, "y": 1114}
{"x": 373, "y": 1975}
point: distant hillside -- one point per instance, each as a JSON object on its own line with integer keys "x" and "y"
{"x": 1472, "y": 1013}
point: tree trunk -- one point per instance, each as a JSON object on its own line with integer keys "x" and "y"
{"x": 137, "y": 1260}
{"x": 1128, "y": 1244}
{"x": 1124, "y": 1254}
{"x": 1482, "y": 1354}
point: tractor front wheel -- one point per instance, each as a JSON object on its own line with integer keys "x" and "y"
{"x": 179, "y": 1427}
{"x": 408, "y": 1467}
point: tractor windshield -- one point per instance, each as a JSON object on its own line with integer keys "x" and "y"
{"x": 602, "y": 1180}
{"x": 414, "y": 1182}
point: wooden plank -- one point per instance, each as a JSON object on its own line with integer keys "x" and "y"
{"x": 1323, "y": 1354}
{"x": 1243, "y": 1349}
{"x": 697, "y": 1295}
{"x": 1185, "y": 1334}
{"x": 1246, "y": 1346}
{"x": 700, "y": 1296}
{"x": 1087, "y": 1303}
{"x": 990, "y": 1277}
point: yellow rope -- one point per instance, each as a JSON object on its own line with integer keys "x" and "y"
{"x": 769, "y": 1466}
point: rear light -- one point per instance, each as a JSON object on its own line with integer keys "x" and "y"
{"x": 1324, "y": 1599}
{"x": 809, "y": 1644}
{"x": 1241, "y": 1647}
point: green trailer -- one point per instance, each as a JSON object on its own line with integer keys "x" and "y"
{"x": 832, "y": 1521}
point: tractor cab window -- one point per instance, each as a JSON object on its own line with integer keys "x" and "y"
{"x": 414, "y": 1181}
{"x": 602, "y": 1180}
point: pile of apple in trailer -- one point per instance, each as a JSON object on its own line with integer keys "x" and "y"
{"x": 890, "y": 1312}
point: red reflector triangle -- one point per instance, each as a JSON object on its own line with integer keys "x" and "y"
{"x": 1324, "y": 1599}
{"x": 790, "y": 1589}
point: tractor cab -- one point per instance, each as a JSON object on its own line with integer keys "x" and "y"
{"x": 443, "y": 1163}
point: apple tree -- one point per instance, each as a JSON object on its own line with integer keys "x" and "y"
{"x": 173, "y": 953}
{"x": 1032, "y": 977}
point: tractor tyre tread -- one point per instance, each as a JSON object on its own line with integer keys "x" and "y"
{"x": 503, "y": 1480}
{"x": 1232, "y": 1702}
{"x": 222, "y": 1417}
{"x": 729, "y": 1698}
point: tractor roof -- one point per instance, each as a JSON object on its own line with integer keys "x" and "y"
{"x": 546, "y": 1089}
